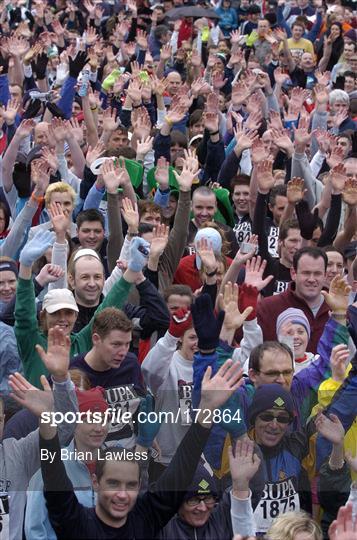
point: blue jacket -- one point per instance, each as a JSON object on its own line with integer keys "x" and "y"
{"x": 228, "y": 19}
{"x": 37, "y": 523}
{"x": 304, "y": 390}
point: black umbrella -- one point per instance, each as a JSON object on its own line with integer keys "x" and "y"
{"x": 191, "y": 11}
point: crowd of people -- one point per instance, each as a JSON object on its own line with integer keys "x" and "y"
{"x": 178, "y": 270}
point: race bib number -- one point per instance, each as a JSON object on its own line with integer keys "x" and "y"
{"x": 280, "y": 287}
{"x": 185, "y": 403}
{"x": 243, "y": 232}
{"x": 277, "y": 498}
{"x": 273, "y": 242}
{"x": 122, "y": 399}
{"x": 4, "y": 516}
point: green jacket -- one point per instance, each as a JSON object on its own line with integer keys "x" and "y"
{"x": 28, "y": 333}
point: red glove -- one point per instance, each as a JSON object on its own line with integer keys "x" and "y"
{"x": 248, "y": 296}
{"x": 180, "y": 321}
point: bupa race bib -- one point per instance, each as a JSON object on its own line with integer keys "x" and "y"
{"x": 122, "y": 399}
{"x": 277, "y": 498}
{"x": 4, "y": 516}
{"x": 185, "y": 402}
{"x": 273, "y": 240}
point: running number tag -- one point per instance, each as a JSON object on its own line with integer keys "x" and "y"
{"x": 185, "y": 403}
{"x": 278, "y": 498}
{"x": 4, "y": 516}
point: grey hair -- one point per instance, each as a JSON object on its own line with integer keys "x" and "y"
{"x": 339, "y": 95}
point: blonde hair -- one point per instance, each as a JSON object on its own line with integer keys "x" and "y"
{"x": 59, "y": 187}
{"x": 286, "y": 526}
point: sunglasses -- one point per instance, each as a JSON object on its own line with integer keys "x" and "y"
{"x": 280, "y": 418}
{"x": 207, "y": 499}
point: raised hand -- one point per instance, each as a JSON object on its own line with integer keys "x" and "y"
{"x": 59, "y": 129}
{"x": 254, "y": 121}
{"x": 218, "y": 80}
{"x": 57, "y": 357}
{"x": 139, "y": 252}
{"x": 330, "y": 428}
{"x": 228, "y": 302}
{"x": 215, "y": 391}
{"x": 240, "y": 93}
{"x": 142, "y": 40}
{"x": 40, "y": 174}
{"x": 162, "y": 173}
{"x": 176, "y": 113}
{"x": 244, "y": 137}
{"x": 159, "y": 241}
{"x": 59, "y": 219}
{"x": 111, "y": 175}
{"x": 265, "y": 178}
{"x": 338, "y": 296}
{"x": 282, "y": 139}
{"x": 295, "y": 190}
{"x": 301, "y": 134}
{"x": 321, "y": 94}
{"x": 9, "y": 112}
{"x": 338, "y": 178}
{"x": 335, "y": 157}
{"x": 338, "y": 361}
{"x": 212, "y": 103}
{"x": 280, "y": 76}
{"x": 275, "y": 121}
{"x": 36, "y": 247}
{"x": 94, "y": 153}
{"x": 50, "y": 158}
{"x": 211, "y": 121}
{"x": 110, "y": 121}
{"x": 134, "y": 92}
{"x": 165, "y": 53}
{"x": 349, "y": 193}
{"x": 25, "y": 128}
{"x": 344, "y": 527}
{"x": 258, "y": 153}
{"x": 35, "y": 400}
{"x": 50, "y": 273}
{"x": 144, "y": 146}
{"x": 190, "y": 171}
{"x": 254, "y": 270}
{"x": 204, "y": 250}
{"x": 243, "y": 464}
{"x": 130, "y": 214}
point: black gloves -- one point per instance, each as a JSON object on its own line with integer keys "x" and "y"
{"x": 39, "y": 67}
{"x": 307, "y": 221}
{"x": 207, "y": 325}
{"x": 77, "y": 64}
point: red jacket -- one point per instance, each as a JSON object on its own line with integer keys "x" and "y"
{"x": 187, "y": 273}
{"x": 270, "y": 308}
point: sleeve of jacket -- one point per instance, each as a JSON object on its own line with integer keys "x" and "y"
{"x": 333, "y": 488}
{"x": 88, "y": 180}
{"x": 17, "y": 233}
{"x": 228, "y": 169}
{"x": 68, "y": 92}
{"x": 342, "y": 405}
{"x": 301, "y": 167}
{"x": 171, "y": 257}
{"x": 154, "y": 314}
{"x": 156, "y": 365}
{"x": 162, "y": 147}
{"x": 306, "y": 383}
{"x": 4, "y": 90}
{"x": 259, "y": 228}
{"x": 332, "y": 222}
{"x": 214, "y": 160}
{"x": 37, "y": 524}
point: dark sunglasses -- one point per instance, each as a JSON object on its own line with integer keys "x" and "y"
{"x": 269, "y": 417}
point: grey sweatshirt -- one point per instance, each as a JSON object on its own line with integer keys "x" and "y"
{"x": 20, "y": 459}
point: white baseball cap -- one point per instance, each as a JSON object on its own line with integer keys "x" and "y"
{"x": 57, "y": 299}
